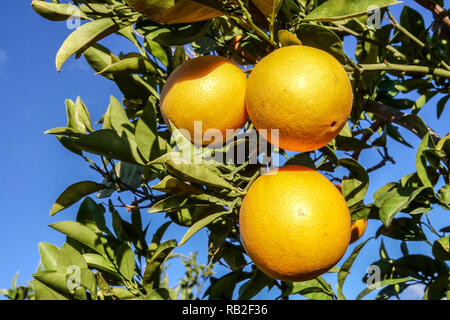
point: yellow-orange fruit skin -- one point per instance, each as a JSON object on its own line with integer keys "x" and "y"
{"x": 294, "y": 224}
{"x": 303, "y": 92}
{"x": 358, "y": 229}
{"x": 210, "y": 89}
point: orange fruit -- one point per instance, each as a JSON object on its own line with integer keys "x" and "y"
{"x": 358, "y": 228}
{"x": 294, "y": 224}
{"x": 210, "y": 89}
{"x": 181, "y": 11}
{"x": 303, "y": 92}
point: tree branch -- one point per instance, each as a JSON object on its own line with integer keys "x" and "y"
{"x": 437, "y": 10}
{"x": 388, "y": 114}
{"x": 406, "y": 69}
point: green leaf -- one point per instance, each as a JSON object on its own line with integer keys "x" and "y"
{"x": 197, "y": 173}
{"x": 65, "y": 131}
{"x": 157, "y": 51}
{"x": 444, "y": 194}
{"x": 68, "y": 257}
{"x": 99, "y": 57}
{"x": 421, "y": 161}
{"x": 159, "y": 294}
{"x": 118, "y": 118}
{"x": 49, "y": 255}
{"x": 108, "y": 143}
{"x": 233, "y": 256}
{"x": 396, "y": 200}
{"x": 223, "y": 288}
{"x": 146, "y": 133}
{"x": 288, "y": 39}
{"x": 333, "y": 10}
{"x": 74, "y": 120}
{"x": 301, "y": 159}
{"x": 173, "y": 203}
{"x": 131, "y": 64}
{"x": 126, "y": 261}
{"x": 252, "y": 287}
{"x": 441, "y": 105}
{"x": 80, "y": 233}
{"x": 92, "y": 215}
{"x": 173, "y": 34}
{"x": 344, "y": 271}
{"x": 200, "y": 225}
{"x": 420, "y": 267}
{"x": 381, "y": 284}
{"x": 413, "y": 22}
{"x": 321, "y": 38}
{"x": 57, "y": 11}
{"x": 83, "y": 37}
{"x": 175, "y": 186}
{"x": 74, "y": 193}
{"x": 42, "y": 292}
{"x": 122, "y": 294}
{"x": 354, "y": 187}
{"x": 441, "y": 248}
{"x": 403, "y": 229}
{"x": 58, "y": 282}
{"x": 100, "y": 263}
{"x": 156, "y": 261}
{"x": 311, "y": 289}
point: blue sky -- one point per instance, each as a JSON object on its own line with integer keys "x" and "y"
{"x": 35, "y": 169}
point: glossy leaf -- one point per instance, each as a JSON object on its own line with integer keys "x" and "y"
{"x": 69, "y": 257}
{"x": 441, "y": 248}
{"x": 57, "y": 11}
{"x": 108, "y": 143}
{"x": 403, "y": 229}
{"x": 83, "y": 37}
{"x": 344, "y": 271}
{"x": 146, "y": 133}
{"x": 74, "y": 193}
{"x": 173, "y": 35}
{"x": 49, "y": 255}
{"x": 131, "y": 64}
{"x": 200, "y": 225}
{"x": 198, "y": 173}
{"x": 80, "y": 233}
{"x": 126, "y": 261}
{"x": 355, "y": 186}
{"x": 333, "y": 10}
{"x": 321, "y": 38}
{"x": 252, "y": 287}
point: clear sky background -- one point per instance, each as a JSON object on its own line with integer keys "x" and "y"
{"x": 35, "y": 168}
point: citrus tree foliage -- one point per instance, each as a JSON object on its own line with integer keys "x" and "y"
{"x": 134, "y": 152}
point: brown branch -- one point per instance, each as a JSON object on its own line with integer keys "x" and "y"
{"x": 366, "y": 136}
{"x": 440, "y": 16}
{"x": 437, "y": 11}
{"x": 389, "y": 114}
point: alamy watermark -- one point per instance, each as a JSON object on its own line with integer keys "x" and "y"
{"x": 73, "y": 280}
{"x": 74, "y": 20}
{"x": 374, "y": 19}
{"x": 373, "y": 281}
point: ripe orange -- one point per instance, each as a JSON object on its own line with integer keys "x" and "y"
{"x": 294, "y": 224}
{"x": 182, "y": 11}
{"x": 303, "y": 92}
{"x": 358, "y": 228}
{"x": 210, "y": 89}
